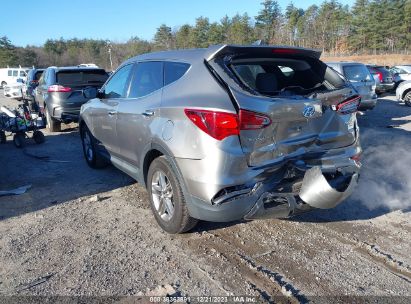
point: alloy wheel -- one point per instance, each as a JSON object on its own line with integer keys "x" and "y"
{"x": 88, "y": 147}
{"x": 162, "y": 194}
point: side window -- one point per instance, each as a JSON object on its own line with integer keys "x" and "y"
{"x": 15, "y": 73}
{"x": 117, "y": 85}
{"x": 147, "y": 78}
{"x": 22, "y": 74}
{"x": 9, "y": 73}
{"x": 174, "y": 71}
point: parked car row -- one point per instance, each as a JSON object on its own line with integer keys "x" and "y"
{"x": 361, "y": 79}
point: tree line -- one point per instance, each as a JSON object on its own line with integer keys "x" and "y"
{"x": 368, "y": 27}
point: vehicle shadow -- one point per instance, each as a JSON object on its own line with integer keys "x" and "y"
{"x": 56, "y": 171}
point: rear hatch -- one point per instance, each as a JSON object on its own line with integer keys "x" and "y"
{"x": 302, "y": 99}
{"x": 361, "y": 79}
{"x": 70, "y": 84}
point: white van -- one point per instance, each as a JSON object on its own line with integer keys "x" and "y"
{"x": 10, "y": 75}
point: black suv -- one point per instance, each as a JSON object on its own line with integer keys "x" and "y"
{"x": 383, "y": 78}
{"x": 60, "y": 92}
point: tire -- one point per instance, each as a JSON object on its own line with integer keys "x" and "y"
{"x": 19, "y": 140}
{"x": 3, "y": 138}
{"x": 407, "y": 99}
{"x": 3, "y": 84}
{"x": 52, "y": 124}
{"x": 93, "y": 159}
{"x": 166, "y": 198}
{"x": 38, "y": 137}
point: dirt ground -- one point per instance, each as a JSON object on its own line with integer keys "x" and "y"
{"x": 84, "y": 232}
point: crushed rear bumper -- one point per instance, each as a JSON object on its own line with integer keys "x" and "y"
{"x": 315, "y": 191}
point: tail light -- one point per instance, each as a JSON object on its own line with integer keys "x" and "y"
{"x": 357, "y": 158}
{"x": 58, "y": 88}
{"x": 348, "y": 106}
{"x": 220, "y": 125}
{"x": 251, "y": 121}
{"x": 380, "y": 76}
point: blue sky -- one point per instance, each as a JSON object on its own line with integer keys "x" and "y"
{"x": 33, "y": 22}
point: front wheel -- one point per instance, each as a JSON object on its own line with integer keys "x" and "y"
{"x": 93, "y": 159}
{"x": 407, "y": 99}
{"x": 167, "y": 199}
{"x": 3, "y": 84}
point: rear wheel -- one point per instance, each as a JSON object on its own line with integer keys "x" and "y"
{"x": 19, "y": 140}
{"x": 167, "y": 199}
{"x": 52, "y": 124}
{"x": 38, "y": 137}
{"x": 93, "y": 159}
{"x": 3, "y": 84}
{"x": 407, "y": 99}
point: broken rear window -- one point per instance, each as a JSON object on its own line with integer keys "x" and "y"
{"x": 278, "y": 76}
{"x": 73, "y": 77}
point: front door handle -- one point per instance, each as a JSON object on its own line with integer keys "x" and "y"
{"x": 111, "y": 113}
{"x": 148, "y": 113}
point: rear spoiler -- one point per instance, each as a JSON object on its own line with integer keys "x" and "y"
{"x": 260, "y": 51}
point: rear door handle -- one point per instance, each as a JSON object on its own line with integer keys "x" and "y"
{"x": 111, "y": 113}
{"x": 148, "y": 113}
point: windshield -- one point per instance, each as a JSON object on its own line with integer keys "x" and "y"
{"x": 357, "y": 73}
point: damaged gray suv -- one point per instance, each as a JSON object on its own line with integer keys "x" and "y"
{"x": 227, "y": 133}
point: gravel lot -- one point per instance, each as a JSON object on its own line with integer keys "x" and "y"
{"x": 78, "y": 231}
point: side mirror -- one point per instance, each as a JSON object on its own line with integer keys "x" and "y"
{"x": 90, "y": 93}
{"x": 100, "y": 94}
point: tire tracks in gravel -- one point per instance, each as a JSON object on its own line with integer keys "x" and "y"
{"x": 372, "y": 252}
{"x": 269, "y": 285}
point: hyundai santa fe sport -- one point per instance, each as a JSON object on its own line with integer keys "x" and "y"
{"x": 227, "y": 133}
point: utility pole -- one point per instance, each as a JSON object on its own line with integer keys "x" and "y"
{"x": 109, "y": 53}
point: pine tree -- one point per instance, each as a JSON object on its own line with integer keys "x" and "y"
{"x": 268, "y": 20}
